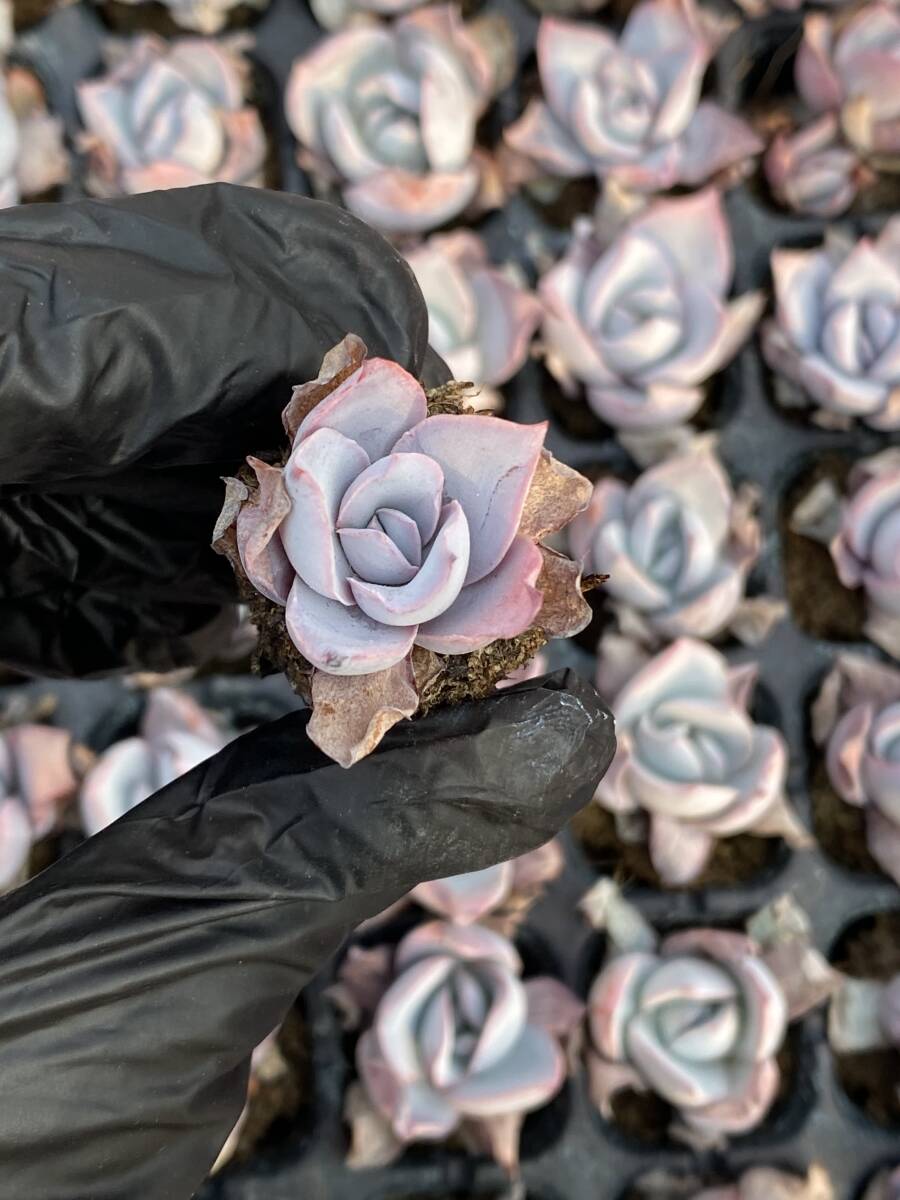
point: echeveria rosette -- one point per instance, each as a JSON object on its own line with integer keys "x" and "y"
{"x": 835, "y": 335}
{"x": 629, "y": 110}
{"x": 390, "y": 113}
{"x": 812, "y": 170}
{"x": 693, "y": 763}
{"x": 768, "y": 1183}
{"x": 644, "y": 323}
{"x": 677, "y": 545}
{"x": 480, "y": 320}
{"x": 459, "y": 1042}
{"x": 856, "y": 719}
{"x": 392, "y": 538}
{"x": 170, "y": 115}
{"x": 36, "y": 782}
{"x": 203, "y": 16}
{"x": 176, "y": 735}
{"x": 699, "y": 1017}
{"x": 851, "y": 67}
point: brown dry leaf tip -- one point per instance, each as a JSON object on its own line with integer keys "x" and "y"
{"x": 352, "y": 713}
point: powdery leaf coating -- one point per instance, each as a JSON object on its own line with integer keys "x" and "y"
{"x": 692, "y": 761}
{"x": 644, "y": 323}
{"x": 390, "y": 112}
{"x": 36, "y": 782}
{"x": 463, "y": 899}
{"x": 479, "y": 321}
{"x": 813, "y": 170}
{"x": 170, "y": 115}
{"x": 677, "y": 545}
{"x": 857, "y": 720}
{"x": 629, "y": 110}
{"x": 176, "y": 735}
{"x": 852, "y": 68}
{"x": 203, "y": 16}
{"x": 453, "y": 1039}
{"x": 836, "y": 330}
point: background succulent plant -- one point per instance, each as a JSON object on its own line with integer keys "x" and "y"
{"x": 629, "y": 109}
{"x": 33, "y": 157}
{"x": 176, "y": 735}
{"x": 480, "y": 320}
{"x": 812, "y": 170}
{"x": 416, "y": 532}
{"x": 835, "y": 331}
{"x": 644, "y": 323}
{"x": 390, "y": 112}
{"x": 692, "y": 762}
{"x": 857, "y": 719}
{"x": 170, "y": 115}
{"x": 36, "y": 782}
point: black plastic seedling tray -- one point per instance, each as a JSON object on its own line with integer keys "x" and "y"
{"x": 568, "y": 1151}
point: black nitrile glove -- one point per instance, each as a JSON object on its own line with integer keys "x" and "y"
{"x": 147, "y": 344}
{"x": 137, "y": 974}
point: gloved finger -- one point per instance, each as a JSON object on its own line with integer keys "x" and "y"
{"x": 139, "y": 972}
{"x": 168, "y": 328}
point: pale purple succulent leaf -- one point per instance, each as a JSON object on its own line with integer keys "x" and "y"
{"x": 403, "y": 532}
{"x": 398, "y": 201}
{"x": 613, "y": 997}
{"x": 569, "y": 52}
{"x": 688, "y": 979}
{"x": 714, "y": 140}
{"x": 123, "y": 776}
{"x": 436, "y": 1037}
{"x": 759, "y": 784}
{"x": 751, "y": 1093}
{"x": 374, "y": 556}
{"x": 503, "y": 604}
{"x": 538, "y": 135}
{"x": 505, "y": 457}
{"x": 702, "y": 666}
{"x": 465, "y": 898}
{"x": 317, "y": 476}
{"x": 340, "y": 639}
{"x": 508, "y": 316}
{"x": 684, "y": 1084}
{"x": 15, "y": 840}
{"x": 399, "y": 1012}
{"x": 466, "y": 942}
{"x": 436, "y": 584}
{"x": 410, "y": 483}
{"x": 679, "y": 852}
{"x": 552, "y": 1006}
{"x": 40, "y": 772}
{"x": 525, "y": 1078}
{"x": 815, "y": 77}
{"x": 765, "y": 1009}
{"x": 373, "y": 407}
{"x": 505, "y": 1018}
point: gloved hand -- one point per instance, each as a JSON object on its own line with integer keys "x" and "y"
{"x": 147, "y": 344}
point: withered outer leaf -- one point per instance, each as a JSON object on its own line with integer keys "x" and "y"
{"x": 340, "y": 362}
{"x": 565, "y": 611}
{"x": 556, "y": 496}
{"x": 224, "y": 538}
{"x": 352, "y": 713}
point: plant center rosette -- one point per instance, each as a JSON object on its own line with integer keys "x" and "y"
{"x": 393, "y": 562}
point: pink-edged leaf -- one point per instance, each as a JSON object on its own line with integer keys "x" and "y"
{"x": 552, "y": 1006}
{"x": 465, "y": 898}
{"x": 747, "y": 1102}
{"x": 397, "y": 201}
{"x": 411, "y": 484}
{"x": 466, "y": 942}
{"x": 528, "y": 1075}
{"x": 340, "y": 639}
{"x": 713, "y": 141}
{"x": 538, "y": 135}
{"x": 612, "y": 1000}
{"x": 693, "y": 230}
{"x": 816, "y": 79}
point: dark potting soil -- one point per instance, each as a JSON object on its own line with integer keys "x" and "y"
{"x": 840, "y": 828}
{"x": 870, "y": 949}
{"x": 819, "y": 602}
{"x": 29, "y": 12}
{"x": 733, "y": 861}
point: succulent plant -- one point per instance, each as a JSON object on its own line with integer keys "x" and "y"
{"x": 767, "y": 1183}
{"x": 36, "y": 782}
{"x": 885, "y": 1185}
{"x": 864, "y": 1016}
{"x": 699, "y": 1016}
{"x": 176, "y": 735}
{"x": 479, "y": 320}
{"x": 644, "y": 323}
{"x": 812, "y": 170}
{"x": 463, "y": 899}
{"x": 856, "y": 718}
{"x": 33, "y": 157}
{"x": 170, "y": 115}
{"x": 390, "y": 113}
{"x": 391, "y": 537}
{"x": 629, "y": 111}
{"x": 677, "y": 544}
{"x": 203, "y": 16}
{"x": 852, "y": 68}
{"x": 835, "y": 332}
{"x": 691, "y": 764}
{"x": 459, "y": 1041}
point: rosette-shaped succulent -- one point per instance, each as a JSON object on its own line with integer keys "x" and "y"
{"x": 677, "y": 545}
{"x": 835, "y": 335}
{"x": 852, "y": 68}
{"x": 629, "y": 111}
{"x": 458, "y": 1039}
{"x": 767, "y": 1183}
{"x": 36, "y": 781}
{"x": 479, "y": 320}
{"x": 33, "y": 158}
{"x": 390, "y": 112}
{"x": 691, "y": 759}
{"x": 813, "y": 171}
{"x": 176, "y": 735}
{"x": 170, "y": 115}
{"x": 463, "y": 899}
{"x": 389, "y": 531}
{"x": 698, "y": 1022}
{"x": 644, "y": 323}
{"x": 857, "y": 719}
